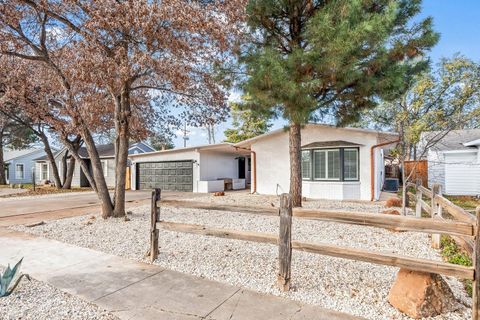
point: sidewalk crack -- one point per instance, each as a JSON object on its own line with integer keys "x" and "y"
{"x": 236, "y": 291}
{"x": 128, "y": 285}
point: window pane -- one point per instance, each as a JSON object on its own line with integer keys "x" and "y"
{"x": 19, "y": 171}
{"x": 44, "y": 171}
{"x": 306, "y": 174}
{"x": 319, "y": 164}
{"x": 333, "y": 164}
{"x": 351, "y": 164}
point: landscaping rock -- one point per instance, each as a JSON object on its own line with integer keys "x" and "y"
{"x": 421, "y": 294}
{"x": 219, "y": 194}
{"x": 393, "y": 202}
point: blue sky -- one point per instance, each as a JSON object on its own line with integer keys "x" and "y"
{"x": 457, "y": 21}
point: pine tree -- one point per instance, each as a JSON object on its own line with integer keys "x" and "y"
{"x": 337, "y": 57}
{"x": 246, "y": 124}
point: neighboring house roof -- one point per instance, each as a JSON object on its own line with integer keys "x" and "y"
{"x": 15, "y": 154}
{"x": 326, "y": 144}
{"x": 281, "y": 130}
{"x": 454, "y": 140}
{"x": 105, "y": 150}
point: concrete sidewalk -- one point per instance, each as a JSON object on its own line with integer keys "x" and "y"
{"x": 133, "y": 290}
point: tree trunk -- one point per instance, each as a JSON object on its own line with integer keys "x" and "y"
{"x": 122, "y": 117}
{"x": 69, "y": 168}
{"x": 67, "y": 184}
{"x": 98, "y": 177}
{"x": 51, "y": 159}
{"x": 295, "y": 141}
{"x": 64, "y": 169}
{"x": 3, "y": 178}
{"x": 83, "y": 164}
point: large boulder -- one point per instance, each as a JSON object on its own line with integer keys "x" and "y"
{"x": 421, "y": 294}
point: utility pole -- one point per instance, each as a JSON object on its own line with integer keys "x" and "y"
{"x": 185, "y": 135}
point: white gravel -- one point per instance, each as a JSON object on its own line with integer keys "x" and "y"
{"x": 354, "y": 287}
{"x": 37, "y": 300}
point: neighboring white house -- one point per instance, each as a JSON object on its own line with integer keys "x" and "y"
{"x": 454, "y": 162}
{"x": 336, "y": 164}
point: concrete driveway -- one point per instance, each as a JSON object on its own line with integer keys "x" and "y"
{"x": 28, "y": 210}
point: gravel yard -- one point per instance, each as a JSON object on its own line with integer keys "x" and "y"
{"x": 36, "y": 300}
{"x": 354, "y": 287}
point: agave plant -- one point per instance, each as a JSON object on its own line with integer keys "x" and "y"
{"x": 7, "y": 278}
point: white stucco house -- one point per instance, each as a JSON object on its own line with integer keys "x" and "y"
{"x": 337, "y": 163}
{"x": 454, "y": 162}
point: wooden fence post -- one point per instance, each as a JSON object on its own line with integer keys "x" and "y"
{"x": 476, "y": 266}
{"x": 434, "y": 214}
{"x": 285, "y": 242}
{"x": 155, "y": 217}
{"x": 418, "y": 205}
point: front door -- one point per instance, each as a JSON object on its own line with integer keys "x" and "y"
{"x": 241, "y": 168}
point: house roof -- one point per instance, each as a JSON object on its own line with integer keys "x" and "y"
{"x": 282, "y": 130}
{"x": 221, "y": 147}
{"x": 326, "y": 144}
{"x": 454, "y": 140}
{"x": 104, "y": 150}
{"x": 14, "y": 154}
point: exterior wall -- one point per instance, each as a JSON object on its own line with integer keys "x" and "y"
{"x": 462, "y": 173}
{"x": 79, "y": 179}
{"x": 436, "y": 168}
{"x": 215, "y": 165}
{"x": 273, "y": 164}
{"x": 169, "y": 156}
{"x": 28, "y": 165}
{"x": 110, "y": 172}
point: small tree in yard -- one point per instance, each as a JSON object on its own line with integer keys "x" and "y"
{"x": 339, "y": 57}
{"x": 435, "y": 104}
{"x": 120, "y": 52}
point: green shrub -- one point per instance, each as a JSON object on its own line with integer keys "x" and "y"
{"x": 455, "y": 255}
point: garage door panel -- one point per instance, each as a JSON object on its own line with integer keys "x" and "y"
{"x": 169, "y": 176}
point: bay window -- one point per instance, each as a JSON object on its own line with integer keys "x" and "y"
{"x": 333, "y": 164}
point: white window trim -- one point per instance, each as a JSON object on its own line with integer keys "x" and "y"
{"x": 311, "y": 173}
{"x": 327, "y": 178}
{"x": 23, "y": 171}
{"x": 357, "y": 165}
{"x": 41, "y": 171}
{"x": 105, "y": 172}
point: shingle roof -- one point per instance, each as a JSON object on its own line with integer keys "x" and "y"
{"x": 13, "y": 154}
{"x": 104, "y": 151}
{"x": 454, "y": 140}
{"x": 326, "y": 144}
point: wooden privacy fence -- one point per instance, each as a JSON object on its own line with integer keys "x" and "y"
{"x": 466, "y": 229}
{"x": 420, "y": 170}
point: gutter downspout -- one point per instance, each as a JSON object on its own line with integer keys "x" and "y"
{"x": 372, "y": 166}
{"x": 254, "y": 164}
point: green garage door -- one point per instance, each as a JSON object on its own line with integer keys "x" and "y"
{"x": 167, "y": 175}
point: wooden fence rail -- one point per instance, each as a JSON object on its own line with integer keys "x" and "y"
{"x": 466, "y": 229}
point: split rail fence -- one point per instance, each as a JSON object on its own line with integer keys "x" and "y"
{"x": 465, "y": 228}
